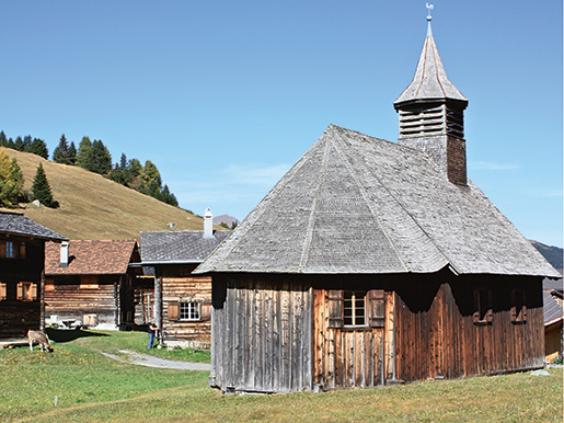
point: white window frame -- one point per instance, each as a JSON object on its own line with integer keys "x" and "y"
{"x": 189, "y": 311}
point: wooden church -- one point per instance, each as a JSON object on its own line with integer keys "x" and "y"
{"x": 374, "y": 263}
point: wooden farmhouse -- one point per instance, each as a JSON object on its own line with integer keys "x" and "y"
{"x": 182, "y": 299}
{"x": 22, "y": 256}
{"x": 374, "y": 263}
{"x": 91, "y": 284}
{"x": 553, "y": 317}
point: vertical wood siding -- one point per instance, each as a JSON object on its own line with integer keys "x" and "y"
{"x": 440, "y": 338}
{"x": 261, "y": 338}
{"x": 347, "y": 358}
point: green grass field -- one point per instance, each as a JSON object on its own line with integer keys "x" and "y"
{"x": 76, "y": 383}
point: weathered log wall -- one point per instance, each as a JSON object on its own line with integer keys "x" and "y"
{"x": 17, "y": 316}
{"x": 65, "y": 298}
{"x": 261, "y": 338}
{"x": 192, "y": 289}
{"x": 436, "y": 335}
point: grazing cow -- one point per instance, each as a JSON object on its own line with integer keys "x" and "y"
{"x": 40, "y": 338}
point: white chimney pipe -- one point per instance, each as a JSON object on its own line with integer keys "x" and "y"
{"x": 208, "y": 224}
{"x": 64, "y": 254}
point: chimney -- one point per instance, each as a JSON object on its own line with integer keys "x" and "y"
{"x": 64, "y": 254}
{"x": 208, "y": 224}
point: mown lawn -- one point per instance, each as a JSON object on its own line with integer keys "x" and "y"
{"x": 89, "y": 387}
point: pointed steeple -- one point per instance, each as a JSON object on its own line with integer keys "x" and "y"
{"x": 431, "y": 112}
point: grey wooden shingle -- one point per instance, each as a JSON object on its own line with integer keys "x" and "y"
{"x": 18, "y": 224}
{"x": 358, "y": 204}
{"x": 178, "y": 246}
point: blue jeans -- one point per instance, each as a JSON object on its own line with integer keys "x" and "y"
{"x": 151, "y": 339}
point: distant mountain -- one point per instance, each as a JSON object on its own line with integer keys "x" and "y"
{"x": 225, "y": 218}
{"x": 554, "y": 255}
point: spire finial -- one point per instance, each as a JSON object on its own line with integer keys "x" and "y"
{"x": 429, "y": 7}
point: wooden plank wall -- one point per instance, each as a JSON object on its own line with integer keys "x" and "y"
{"x": 261, "y": 338}
{"x": 438, "y": 337}
{"x": 346, "y": 358}
{"x": 178, "y": 285}
{"x": 67, "y": 300}
{"x": 17, "y": 317}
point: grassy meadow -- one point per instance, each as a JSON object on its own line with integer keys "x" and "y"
{"x": 76, "y": 383}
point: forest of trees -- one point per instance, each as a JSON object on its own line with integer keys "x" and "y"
{"x": 95, "y": 157}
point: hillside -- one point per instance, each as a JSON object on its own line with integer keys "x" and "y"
{"x": 554, "y": 255}
{"x": 93, "y": 207}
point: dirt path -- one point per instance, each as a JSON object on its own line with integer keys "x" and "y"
{"x": 150, "y": 361}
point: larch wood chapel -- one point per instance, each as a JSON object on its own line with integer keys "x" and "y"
{"x": 374, "y": 263}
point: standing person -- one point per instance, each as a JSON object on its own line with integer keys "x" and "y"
{"x": 153, "y": 328}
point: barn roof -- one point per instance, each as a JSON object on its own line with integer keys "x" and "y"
{"x": 178, "y": 246}
{"x": 97, "y": 257}
{"x": 358, "y": 204}
{"x": 18, "y": 224}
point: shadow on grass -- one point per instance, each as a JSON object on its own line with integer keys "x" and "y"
{"x": 61, "y": 336}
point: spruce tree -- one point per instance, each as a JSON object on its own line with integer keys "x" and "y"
{"x": 84, "y": 153}
{"x": 3, "y": 139}
{"x": 27, "y": 141}
{"x": 100, "y": 158}
{"x": 72, "y": 153}
{"x": 39, "y": 148}
{"x": 41, "y": 189}
{"x": 19, "y": 145}
{"x": 61, "y": 153}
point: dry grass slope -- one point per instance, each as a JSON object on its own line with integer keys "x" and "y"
{"x": 93, "y": 207}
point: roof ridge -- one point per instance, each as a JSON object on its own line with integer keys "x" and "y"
{"x": 309, "y": 233}
{"x": 369, "y": 203}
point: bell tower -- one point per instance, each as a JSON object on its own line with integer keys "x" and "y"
{"x": 431, "y": 112}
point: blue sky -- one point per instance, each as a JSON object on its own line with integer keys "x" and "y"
{"x": 225, "y": 96}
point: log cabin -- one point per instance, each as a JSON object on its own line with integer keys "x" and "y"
{"x": 373, "y": 263}
{"x": 90, "y": 283}
{"x": 22, "y": 254}
{"x": 183, "y": 300}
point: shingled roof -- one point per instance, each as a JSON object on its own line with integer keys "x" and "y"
{"x": 358, "y": 204}
{"x": 178, "y": 246}
{"x": 18, "y": 224}
{"x": 97, "y": 257}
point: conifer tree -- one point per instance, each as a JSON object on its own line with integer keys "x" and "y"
{"x": 27, "y": 141}
{"x": 39, "y": 148}
{"x": 3, "y": 139}
{"x": 61, "y": 153}
{"x": 84, "y": 153}
{"x": 72, "y": 153}
{"x": 41, "y": 189}
{"x": 18, "y": 144}
{"x": 11, "y": 180}
{"x": 100, "y": 158}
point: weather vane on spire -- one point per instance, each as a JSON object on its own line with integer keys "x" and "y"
{"x": 429, "y": 7}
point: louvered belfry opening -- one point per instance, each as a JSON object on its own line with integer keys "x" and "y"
{"x": 431, "y": 114}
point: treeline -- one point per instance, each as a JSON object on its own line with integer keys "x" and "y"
{"x": 95, "y": 157}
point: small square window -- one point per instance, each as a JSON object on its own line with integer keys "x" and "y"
{"x": 189, "y": 311}
{"x": 354, "y": 308}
